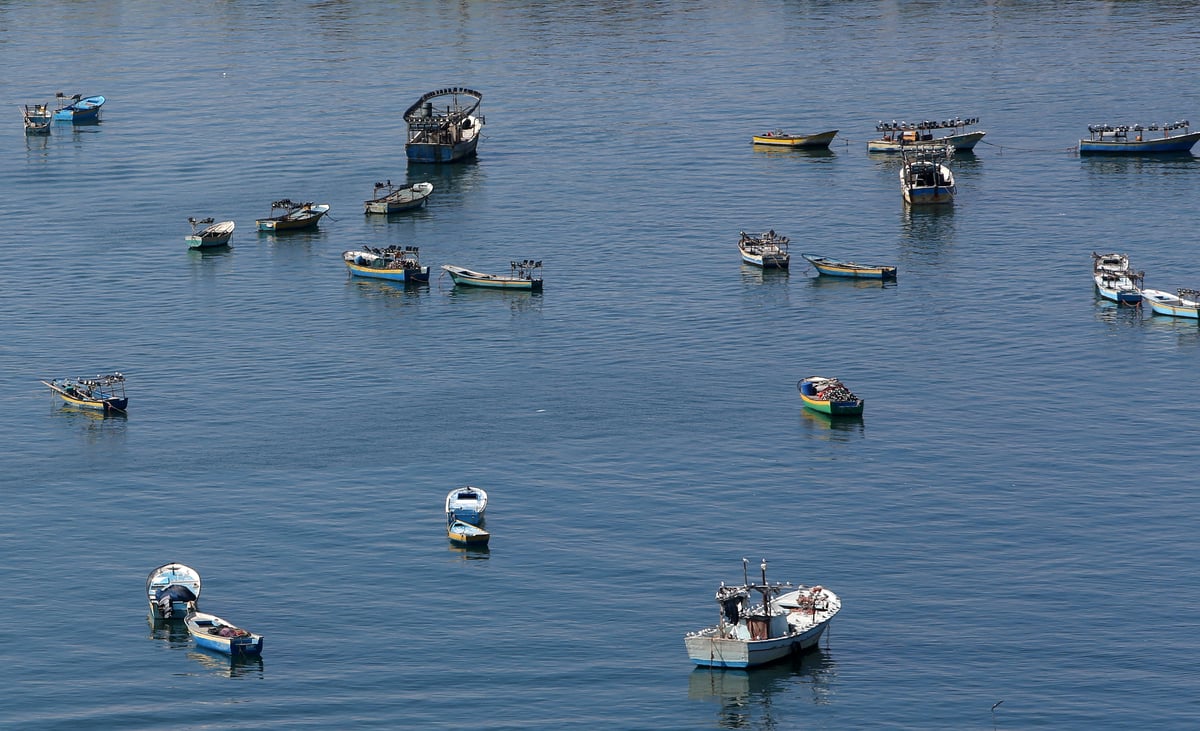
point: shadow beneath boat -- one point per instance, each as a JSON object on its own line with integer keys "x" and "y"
{"x": 172, "y": 632}
{"x": 1139, "y": 164}
{"x": 471, "y": 553}
{"x": 832, "y": 428}
{"x": 232, "y": 666}
{"x": 755, "y": 276}
{"x": 793, "y": 152}
{"x": 403, "y": 291}
{"x": 746, "y": 697}
{"x": 204, "y": 252}
{"x": 821, "y": 280}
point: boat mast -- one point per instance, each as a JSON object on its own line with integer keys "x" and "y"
{"x": 766, "y": 591}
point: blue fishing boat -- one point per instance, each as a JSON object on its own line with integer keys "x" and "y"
{"x": 395, "y": 263}
{"x": 1137, "y": 139}
{"x": 444, "y": 125}
{"x": 213, "y": 633}
{"x": 466, "y": 504}
{"x": 170, "y": 588}
{"x": 834, "y": 268}
{"x": 925, "y": 176}
{"x": 78, "y": 108}
{"x": 103, "y": 393}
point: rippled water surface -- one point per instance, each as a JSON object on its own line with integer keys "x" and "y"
{"x": 1012, "y": 520}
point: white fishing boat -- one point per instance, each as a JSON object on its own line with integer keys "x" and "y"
{"x": 787, "y": 619}
{"x": 395, "y": 199}
{"x": 925, "y": 176}
{"x": 767, "y": 250}
{"x": 213, "y": 633}
{"x": 525, "y": 274}
{"x": 898, "y": 135}
{"x": 1115, "y": 280}
{"x": 206, "y": 233}
{"x": 466, "y": 504}
{"x": 170, "y": 588}
{"x": 1186, "y": 303}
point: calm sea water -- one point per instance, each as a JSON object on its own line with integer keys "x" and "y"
{"x": 1013, "y": 520}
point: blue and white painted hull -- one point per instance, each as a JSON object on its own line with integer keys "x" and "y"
{"x": 793, "y": 623}
{"x": 84, "y": 110}
{"x": 203, "y": 628}
{"x": 437, "y": 153}
{"x": 405, "y": 276}
{"x": 1165, "y": 303}
{"x": 1178, "y": 143}
{"x": 1121, "y": 290}
{"x": 731, "y": 653}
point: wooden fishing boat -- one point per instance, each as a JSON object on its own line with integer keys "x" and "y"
{"x": 786, "y": 620}
{"x": 465, "y": 534}
{"x": 444, "y": 125}
{"x": 466, "y": 504}
{"x": 1115, "y": 280}
{"x": 767, "y": 250}
{"x": 395, "y": 263}
{"x": 829, "y": 396}
{"x": 213, "y": 633}
{"x": 395, "y": 199}
{"x": 1137, "y": 139}
{"x": 525, "y": 274}
{"x": 37, "y": 118}
{"x": 925, "y": 177}
{"x": 899, "y": 135}
{"x": 102, "y": 393}
{"x": 205, "y": 233}
{"x": 835, "y": 268}
{"x": 1186, "y": 303}
{"x": 170, "y": 588}
{"x": 779, "y": 138}
{"x": 78, "y": 108}
{"x": 294, "y": 216}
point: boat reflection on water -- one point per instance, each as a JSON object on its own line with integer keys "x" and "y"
{"x": 173, "y": 632}
{"x": 748, "y": 698}
{"x": 927, "y": 229}
{"x": 518, "y": 301}
{"x": 470, "y": 552}
{"x": 756, "y": 276}
{"x": 232, "y": 666}
{"x": 833, "y": 428}
{"x": 1115, "y": 314}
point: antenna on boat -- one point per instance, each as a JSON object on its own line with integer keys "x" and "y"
{"x": 745, "y": 575}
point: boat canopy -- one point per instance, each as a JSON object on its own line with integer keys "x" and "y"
{"x": 420, "y": 111}
{"x": 894, "y": 126}
{"x": 1102, "y": 128}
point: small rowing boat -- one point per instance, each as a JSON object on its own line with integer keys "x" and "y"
{"x": 779, "y": 138}
{"x": 836, "y": 268}
{"x": 213, "y": 633}
{"x": 465, "y": 534}
{"x": 78, "y": 108}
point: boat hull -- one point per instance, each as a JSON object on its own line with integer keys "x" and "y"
{"x": 767, "y": 261}
{"x": 201, "y": 242}
{"x": 821, "y": 139}
{"x": 429, "y": 152}
{"x": 291, "y": 224}
{"x": 393, "y": 206}
{"x": 719, "y": 652}
{"x": 833, "y": 408}
{"x": 469, "y": 279}
{"x": 1129, "y": 295}
{"x": 464, "y": 534}
{"x": 199, "y": 624}
{"x": 108, "y": 406}
{"x": 84, "y": 110}
{"x": 832, "y": 268}
{"x": 407, "y": 276}
{"x": 1178, "y": 143}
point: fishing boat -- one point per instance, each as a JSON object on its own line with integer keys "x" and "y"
{"x": 525, "y": 274}
{"x": 78, "y": 108}
{"x": 1138, "y": 139}
{"x": 829, "y": 396}
{"x": 834, "y": 268}
{"x": 925, "y": 177}
{"x": 395, "y": 263}
{"x": 213, "y": 633}
{"x": 785, "y": 620}
{"x": 779, "y": 138}
{"x": 465, "y": 534}
{"x": 37, "y": 118}
{"x": 394, "y": 199}
{"x": 102, "y": 393}
{"x": 899, "y": 135}
{"x": 170, "y": 588}
{"x": 444, "y": 125}
{"x": 1115, "y": 280}
{"x": 767, "y": 250}
{"x": 1186, "y": 303}
{"x": 294, "y": 216}
{"x": 466, "y": 504}
{"x": 205, "y": 233}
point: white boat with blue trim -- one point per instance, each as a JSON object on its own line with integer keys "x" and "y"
{"x": 925, "y": 177}
{"x": 1186, "y": 303}
{"x": 213, "y": 633}
{"x": 1138, "y": 139}
{"x": 170, "y": 588}
{"x": 466, "y": 504}
{"x": 787, "y": 619}
{"x": 1115, "y": 280}
{"x": 767, "y": 250}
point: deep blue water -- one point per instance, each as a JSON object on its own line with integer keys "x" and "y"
{"x": 1013, "y": 520}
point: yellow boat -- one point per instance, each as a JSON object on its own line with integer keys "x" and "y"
{"x": 779, "y": 138}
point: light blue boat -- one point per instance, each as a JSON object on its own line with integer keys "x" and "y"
{"x": 394, "y": 264}
{"x": 1137, "y": 139}
{"x": 213, "y": 633}
{"x": 78, "y": 108}
{"x": 466, "y": 504}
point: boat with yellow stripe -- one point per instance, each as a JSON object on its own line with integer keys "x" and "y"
{"x": 829, "y": 396}
{"x": 102, "y": 393}
{"x": 834, "y": 268}
{"x": 779, "y": 138}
